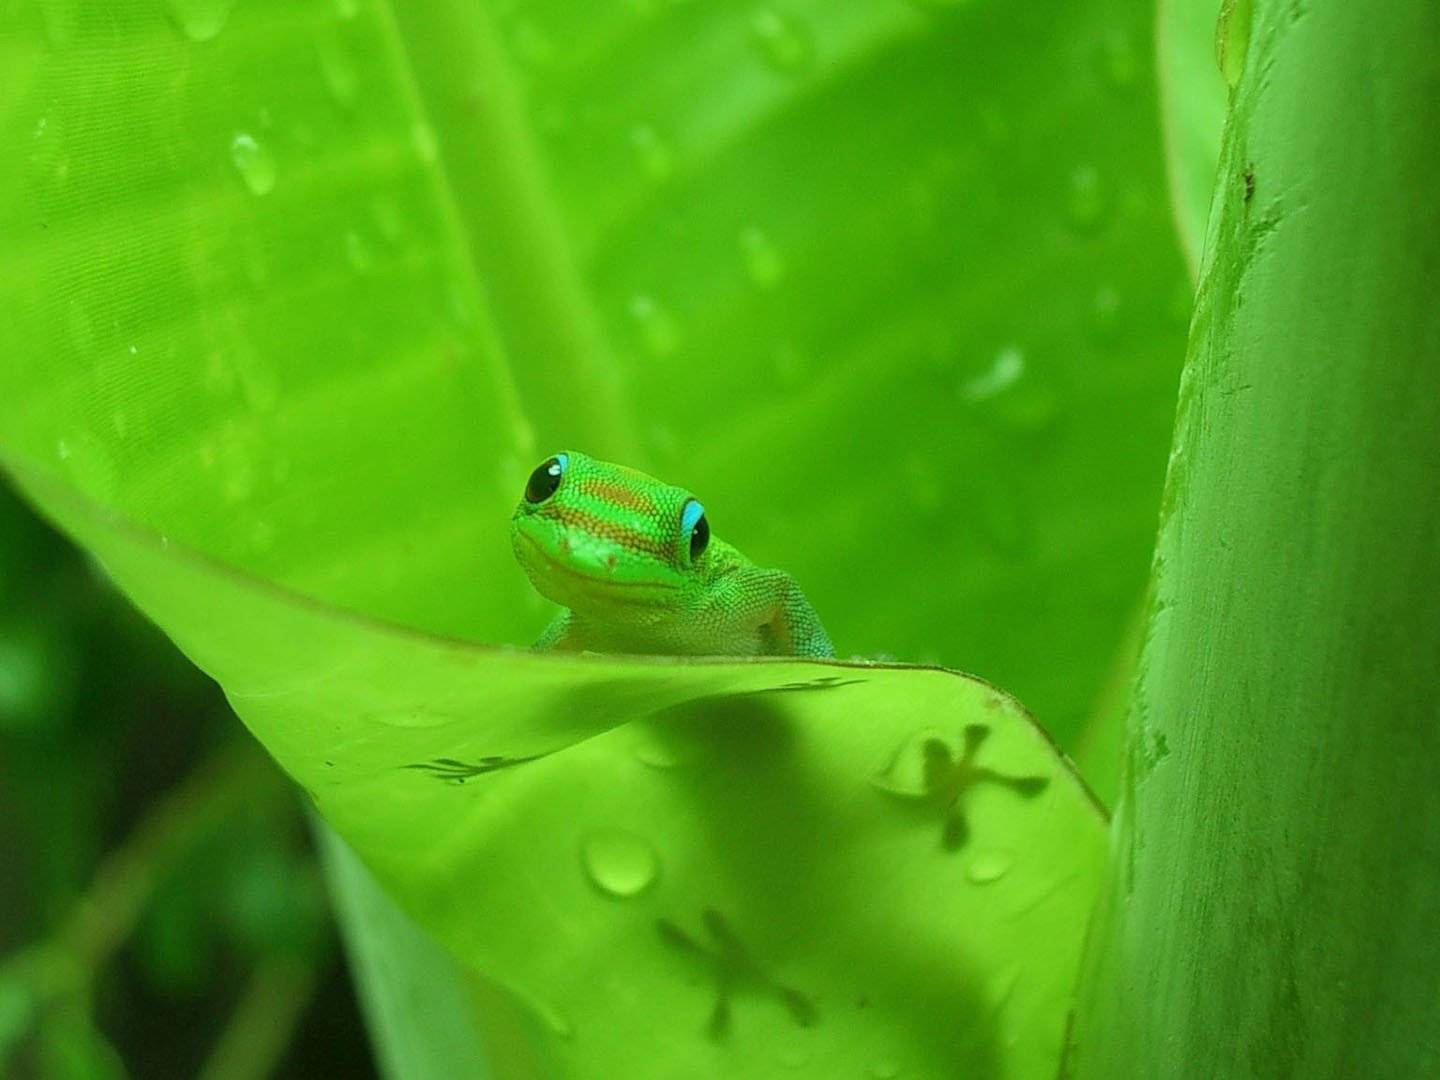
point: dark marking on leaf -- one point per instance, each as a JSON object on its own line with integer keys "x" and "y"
{"x": 827, "y": 682}
{"x": 452, "y": 771}
{"x": 732, "y": 969}
{"x": 947, "y": 780}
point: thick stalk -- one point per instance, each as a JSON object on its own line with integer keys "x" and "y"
{"x": 1274, "y": 903}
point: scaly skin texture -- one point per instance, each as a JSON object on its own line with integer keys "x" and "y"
{"x": 632, "y": 561}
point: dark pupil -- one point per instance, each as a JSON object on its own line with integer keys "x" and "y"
{"x": 699, "y": 537}
{"x": 543, "y": 481}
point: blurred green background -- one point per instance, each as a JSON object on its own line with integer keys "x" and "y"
{"x": 900, "y": 288}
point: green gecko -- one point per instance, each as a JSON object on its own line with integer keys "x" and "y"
{"x": 633, "y": 562}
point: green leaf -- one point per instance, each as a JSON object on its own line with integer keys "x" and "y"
{"x": 762, "y": 860}
{"x": 1193, "y": 95}
{"x": 873, "y": 279}
{"x": 305, "y": 291}
{"x": 421, "y": 1019}
{"x": 1271, "y": 908}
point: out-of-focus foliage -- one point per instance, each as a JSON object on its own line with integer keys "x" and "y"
{"x": 202, "y": 882}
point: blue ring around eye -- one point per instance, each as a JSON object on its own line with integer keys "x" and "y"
{"x": 692, "y": 513}
{"x": 563, "y": 460}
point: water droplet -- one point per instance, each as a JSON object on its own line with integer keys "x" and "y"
{"x": 338, "y": 71}
{"x": 988, "y": 866}
{"x": 1232, "y": 39}
{"x": 619, "y": 863}
{"x": 785, "y": 44}
{"x": 657, "y": 328}
{"x": 427, "y": 146}
{"x": 660, "y": 752}
{"x": 1004, "y": 373}
{"x": 1086, "y": 201}
{"x": 357, "y": 252}
{"x": 762, "y": 260}
{"x": 1013, "y": 394}
{"x": 655, "y": 156}
{"x": 347, "y": 9}
{"x": 884, "y": 1069}
{"x": 254, "y": 162}
{"x": 200, "y": 20}
{"x": 62, "y": 450}
{"x": 1118, "y": 59}
{"x": 1105, "y": 311}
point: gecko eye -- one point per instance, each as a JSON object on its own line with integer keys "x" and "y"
{"x": 546, "y": 478}
{"x": 692, "y": 521}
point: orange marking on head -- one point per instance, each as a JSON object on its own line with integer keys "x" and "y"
{"x": 608, "y": 530}
{"x": 620, "y": 495}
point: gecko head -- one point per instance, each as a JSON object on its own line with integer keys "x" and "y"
{"x": 600, "y": 538}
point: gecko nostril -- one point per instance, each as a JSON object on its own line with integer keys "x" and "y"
{"x": 611, "y": 561}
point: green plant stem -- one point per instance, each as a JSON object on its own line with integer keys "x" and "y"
{"x": 106, "y": 914}
{"x": 1275, "y": 878}
{"x": 559, "y": 358}
{"x": 263, "y": 1023}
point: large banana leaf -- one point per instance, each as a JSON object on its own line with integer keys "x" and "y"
{"x": 294, "y": 295}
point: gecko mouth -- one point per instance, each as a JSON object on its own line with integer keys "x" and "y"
{"x": 553, "y": 565}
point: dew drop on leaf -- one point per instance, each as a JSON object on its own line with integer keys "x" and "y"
{"x": 1118, "y": 60}
{"x": 357, "y": 252}
{"x": 988, "y": 866}
{"x": 619, "y": 863}
{"x": 786, "y": 45}
{"x": 763, "y": 264}
{"x": 1003, "y": 373}
{"x": 200, "y": 20}
{"x": 254, "y": 162}
{"x": 1085, "y": 202}
{"x": 1013, "y": 393}
{"x": 1105, "y": 314}
{"x": 657, "y": 328}
{"x": 338, "y": 70}
{"x": 657, "y": 755}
